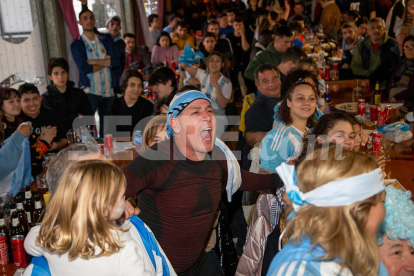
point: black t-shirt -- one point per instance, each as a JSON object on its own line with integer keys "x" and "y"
{"x": 259, "y": 117}
{"x": 140, "y": 110}
{"x": 10, "y": 127}
{"x": 241, "y": 57}
{"x": 363, "y": 7}
{"x": 47, "y": 117}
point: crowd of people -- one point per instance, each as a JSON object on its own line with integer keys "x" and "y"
{"x": 330, "y": 214}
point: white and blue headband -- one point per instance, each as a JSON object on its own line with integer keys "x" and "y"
{"x": 343, "y": 192}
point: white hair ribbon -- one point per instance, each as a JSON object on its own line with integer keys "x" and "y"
{"x": 343, "y": 192}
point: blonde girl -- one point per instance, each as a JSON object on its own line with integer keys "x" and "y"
{"x": 154, "y": 132}
{"x": 78, "y": 235}
{"x": 338, "y": 207}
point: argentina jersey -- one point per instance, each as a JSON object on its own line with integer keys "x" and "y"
{"x": 279, "y": 145}
{"x": 207, "y": 88}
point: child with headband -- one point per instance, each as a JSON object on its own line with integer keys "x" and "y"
{"x": 79, "y": 235}
{"x": 338, "y": 207}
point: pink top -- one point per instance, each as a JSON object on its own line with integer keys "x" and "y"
{"x": 159, "y": 54}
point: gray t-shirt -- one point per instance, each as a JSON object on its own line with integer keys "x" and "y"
{"x": 154, "y": 36}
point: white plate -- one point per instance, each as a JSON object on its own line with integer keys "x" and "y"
{"x": 388, "y": 181}
{"x": 342, "y": 107}
{"x": 393, "y": 105}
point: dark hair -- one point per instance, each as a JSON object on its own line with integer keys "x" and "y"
{"x": 211, "y": 17}
{"x": 130, "y": 35}
{"x": 57, "y": 62}
{"x": 297, "y": 17}
{"x": 225, "y": 69}
{"x": 282, "y": 31}
{"x": 231, "y": 11}
{"x": 362, "y": 20}
{"x": 165, "y": 101}
{"x": 328, "y": 121}
{"x": 238, "y": 19}
{"x": 408, "y": 38}
{"x": 220, "y": 15}
{"x": 28, "y": 88}
{"x": 5, "y": 94}
{"x": 164, "y": 34}
{"x": 354, "y": 13}
{"x": 273, "y": 15}
{"x": 296, "y": 27}
{"x": 298, "y": 3}
{"x": 213, "y": 22}
{"x": 263, "y": 68}
{"x": 294, "y": 76}
{"x": 126, "y": 75}
{"x": 151, "y": 18}
{"x": 162, "y": 75}
{"x": 294, "y": 54}
{"x": 208, "y": 34}
{"x": 83, "y": 11}
{"x": 182, "y": 24}
{"x": 349, "y": 25}
{"x": 265, "y": 37}
{"x": 187, "y": 88}
{"x": 284, "y": 110}
{"x": 171, "y": 17}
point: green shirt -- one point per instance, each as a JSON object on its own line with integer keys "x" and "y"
{"x": 270, "y": 55}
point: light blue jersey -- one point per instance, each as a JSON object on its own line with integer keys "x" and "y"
{"x": 303, "y": 260}
{"x": 279, "y": 145}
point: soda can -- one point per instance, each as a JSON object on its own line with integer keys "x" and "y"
{"x": 199, "y": 33}
{"x": 101, "y": 147}
{"x": 373, "y": 110}
{"x": 322, "y": 72}
{"x": 327, "y": 73}
{"x": 381, "y": 117}
{"x": 376, "y": 140}
{"x": 108, "y": 143}
{"x": 361, "y": 107}
{"x": 173, "y": 65}
{"x": 19, "y": 254}
{"x": 4, "y": 251}
{"x": 335, "y": 66}
{"x": 388, "y": 113}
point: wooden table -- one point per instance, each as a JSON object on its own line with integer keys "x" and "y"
{"x": 401, "y": 166}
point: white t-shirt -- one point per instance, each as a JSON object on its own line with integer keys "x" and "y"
{"x": 132, "y": 259}
{"x": 225, "y": 84}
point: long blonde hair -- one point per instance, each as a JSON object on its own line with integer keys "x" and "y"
{"x": 340, "y": 231}
{"x": 75, "y": 221}
{"x": 151, "y": 129}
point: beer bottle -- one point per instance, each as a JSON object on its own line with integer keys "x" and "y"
{"x": 12, "y": 209}
{"x": 29, "y": 206}
{"x": 38, "y": 213}
{"x": 22, "y": 215}
{"x": 5, "y": 231}
{"x": 16, "y": 229}
{"x": 377, "y": 95}
{"x": 166, "y": 62}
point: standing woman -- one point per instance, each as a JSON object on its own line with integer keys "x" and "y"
{"x": 11, "y": 108}
{"x": 62, "y": 96}
{"x": 164, "y": 48}
{"x": 337, "y": 212}
{"x": 296, "y": 114}
{"x": 216, "y": 84}
{"x": 130, "y": 104}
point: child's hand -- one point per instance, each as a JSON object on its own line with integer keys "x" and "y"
{"x": 130, "y": 211}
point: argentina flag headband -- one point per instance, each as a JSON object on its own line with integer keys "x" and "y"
{"x": 342, "y": 192}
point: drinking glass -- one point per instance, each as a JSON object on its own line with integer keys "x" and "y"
{"x": 388, "y": 140}
{"x": 70, "y": 135}
{"x": 357, "y": 88}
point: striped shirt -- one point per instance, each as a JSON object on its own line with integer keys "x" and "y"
{"x": 279, "y": 145}
{"x": 101, "y": 80}
{"x": 207, "y": 88}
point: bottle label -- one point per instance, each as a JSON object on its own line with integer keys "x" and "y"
{"x": 28, "y": 194}
{"x": 19, "y": 206}
{"x": 38, "y": 205}
{"x": 377, "y": 99}
{"x": 29, "y": 218}
{"x": 15, "y": 221}
{"x": 12, "y": 210}
{"x": 2, "y": 222}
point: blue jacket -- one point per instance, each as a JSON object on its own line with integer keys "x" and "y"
{"x": 10, "y": 153}
{"x": 80, "y": 56}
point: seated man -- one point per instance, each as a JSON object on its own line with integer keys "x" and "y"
{"x": 225, "y": 28}
{"x": 173, "y": 19}
{"x": 209, "y": 43}
{"x": 330, "y": 18}
{"x": 163, "y": 82}
{"x": 49, "y": 132}
{"x": 376, "y": 57}
{"x": 298, "y": 9}
{"x": 183, "y": 38}
{"x": 289, "y": 60}
{"x": 154, "y": 24}
{"x": 350, "y": 41}
{"x": 265, "y": 37}
{"x": 136, "y": 57}
{"x": 222, "y": 44}
{"x": 395, "y": 234}
{"x": 273, "y": 53}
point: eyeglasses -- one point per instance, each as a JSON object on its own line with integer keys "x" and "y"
{"x": 410, "y": 47}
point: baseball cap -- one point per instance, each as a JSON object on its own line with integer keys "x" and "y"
{"x": 116, "y": 18}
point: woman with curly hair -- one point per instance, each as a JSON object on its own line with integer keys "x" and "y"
{"x": 297, "y": 115}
